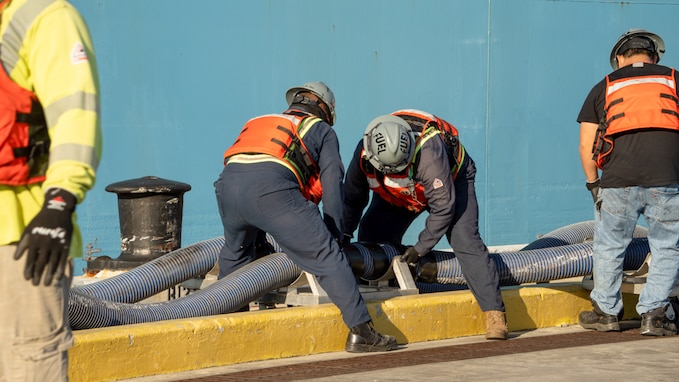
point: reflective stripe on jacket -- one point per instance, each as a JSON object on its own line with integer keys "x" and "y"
{"x": 278, "y": 138}
{"x": 46, "y": 49}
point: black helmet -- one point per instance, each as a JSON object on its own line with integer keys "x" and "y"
{"x": 637, "y": 39}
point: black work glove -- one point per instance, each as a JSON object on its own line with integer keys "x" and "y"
{"x": 410, "y": 256}
{"x": 594, "y": 188}
{"x": 47, "y": 238}
{"x": 343, "y": 241}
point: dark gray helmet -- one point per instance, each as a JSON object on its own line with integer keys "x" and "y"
{"x": 389, "y": 144}
{"x": 321, "y": 90}
{"x": 637, "y": 39}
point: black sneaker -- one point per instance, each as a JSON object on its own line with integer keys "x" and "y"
{"x": 364, "y": 338}
{"x": 656, "y": 323}
{"x": 598, "y": 320}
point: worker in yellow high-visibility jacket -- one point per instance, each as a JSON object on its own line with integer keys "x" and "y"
{"x": 50, "y": 147}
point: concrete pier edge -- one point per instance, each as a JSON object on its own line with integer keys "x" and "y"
{"x": 130, "y": 351}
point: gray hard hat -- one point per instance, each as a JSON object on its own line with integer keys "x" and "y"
{"x": 637, "y": 39}
{"x": 321, "y": 90}
{"x": 389, "y": 144}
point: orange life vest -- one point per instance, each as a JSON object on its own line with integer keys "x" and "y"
{"x": 278, "y": 138}
{"x": 635, "y": 103}
{"x": 421, "y": 121}
{"x": 400, "y": 189}
{"x": 24, "y": 139}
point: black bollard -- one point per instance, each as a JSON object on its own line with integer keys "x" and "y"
{"x": 150, "y": 211}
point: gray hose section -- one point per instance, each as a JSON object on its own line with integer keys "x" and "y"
{"x": 88, "y": 310}
{"x": 573, "y": 234}
{"x": 161, "y": 273}
{"x": 368, "y": 263}
{"x": 107, "y": 302}
{"x": 157, "y": 275}
{"x": 391, "y": 252}
{"x": 368, "y": 257}
{"x": 226, "y": 295}
{"x": 540, "y": 265}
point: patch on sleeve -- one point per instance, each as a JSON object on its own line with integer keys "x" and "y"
{"x": 437, "y": 183}
{"x": 78, "y": 54}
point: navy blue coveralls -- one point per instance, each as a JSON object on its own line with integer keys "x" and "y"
{"x": 266, "y": 196}
{"x": 452, "y": 208}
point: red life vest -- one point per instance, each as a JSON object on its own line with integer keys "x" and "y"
{"x": 278, "y": 138}
{"x": 396, "y": 189}
{"x": 400, "y": 189}
{"x": 636, "y": 103}
{"x": 24, "y": 139}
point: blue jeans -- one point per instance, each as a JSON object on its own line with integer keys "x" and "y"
{"x": 614, "y": 225}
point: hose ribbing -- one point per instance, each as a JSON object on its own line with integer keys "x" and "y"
{"x": 226, "y": 295}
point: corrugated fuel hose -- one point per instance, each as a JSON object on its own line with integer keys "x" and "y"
{"x": 563, "y": 253}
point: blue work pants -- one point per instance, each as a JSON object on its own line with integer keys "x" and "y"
{"x": 614, "y": 226}
{"x": 266, "y": 197}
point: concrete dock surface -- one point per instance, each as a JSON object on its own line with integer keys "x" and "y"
{"x": 567, "y": 353}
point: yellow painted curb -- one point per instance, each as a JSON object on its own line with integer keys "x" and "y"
{"x": 130, "y": 351}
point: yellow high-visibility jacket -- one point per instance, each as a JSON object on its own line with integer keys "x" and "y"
{"x": 46, "y": 48}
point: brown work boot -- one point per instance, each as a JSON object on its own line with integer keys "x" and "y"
{"x": 496, "y": 325}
